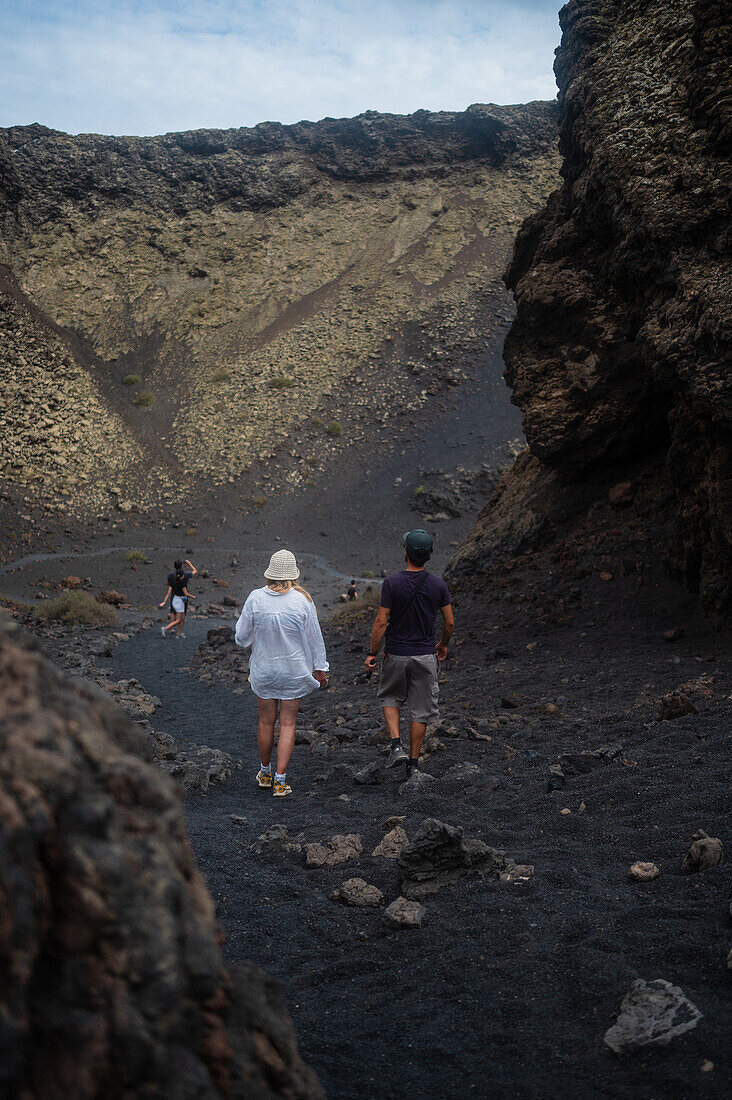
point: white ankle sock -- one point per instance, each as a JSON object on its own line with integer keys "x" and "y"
{"x": 266, "y": 768}
{"x": 280, "y": 778}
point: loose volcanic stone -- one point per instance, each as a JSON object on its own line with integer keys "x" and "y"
{"x": 704, "y": 851}
{"x": 518, "y": 874}
{"x": 675, "y": 705}
{"x": 418, "y": 783}
{"x": 359, "y": 893}
{"x": 392, "y": 844}
{"x": 337, "y": 849}
{"x": 404, "y": 913}
{"x": 371, "y": 774}
{"x": 651, "y": 1014}
{"x": 643, "y": 872}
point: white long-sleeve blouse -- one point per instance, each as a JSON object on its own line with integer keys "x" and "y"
{"x": 287, "y": 644}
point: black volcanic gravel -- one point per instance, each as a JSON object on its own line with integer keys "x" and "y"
{"x": 506, "y": 991}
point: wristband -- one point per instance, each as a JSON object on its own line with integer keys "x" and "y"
{"x": 373, "y": 654}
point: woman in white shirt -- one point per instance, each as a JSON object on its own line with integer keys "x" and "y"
{"x": 288, "y": 660}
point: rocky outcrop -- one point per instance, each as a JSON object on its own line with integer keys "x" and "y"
{"x": 224, "y": 297}
{"x": 112, "y": 981}
{"x": 620, "y": 348}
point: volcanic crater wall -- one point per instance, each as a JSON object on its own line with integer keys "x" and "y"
{"x": 620, "y": 347}
{"x": 228, "y": 293}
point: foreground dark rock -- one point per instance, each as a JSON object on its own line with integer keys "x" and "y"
{"x": 618, "y": 356}
{"x": 652, "y": 1014}
{"x": 113, "y": 984}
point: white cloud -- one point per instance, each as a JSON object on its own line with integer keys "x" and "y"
{"x": 148, "y": 67}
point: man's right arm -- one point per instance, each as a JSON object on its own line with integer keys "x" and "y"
{"x": 377, "y": 634}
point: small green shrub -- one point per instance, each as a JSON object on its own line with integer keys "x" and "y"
{"x": 78, "y": 609}
{"x": 316, "y": 422}
{"x": 334, "y": 429}
{"x": 131, "y": 379}
{"x": 259, "y": 502}
{"x": 220, "y": 375}
{"x": 367, "y": 573}
{"x": 282, "y": 382}
{"x": 145, "y": 398}
{"x": 134, "y": 556}
{"x": 191, "y": 530}
{"x": 419, "y": 490}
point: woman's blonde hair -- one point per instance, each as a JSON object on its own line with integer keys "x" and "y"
{"x": 285, "y": 586}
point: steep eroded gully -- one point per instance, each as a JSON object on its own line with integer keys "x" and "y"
{"x": 507, "y": 990}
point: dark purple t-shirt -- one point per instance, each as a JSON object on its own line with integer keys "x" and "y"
{"x": 413, "y": 633}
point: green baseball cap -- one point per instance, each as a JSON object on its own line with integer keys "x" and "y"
{"x": 417, "y": 540}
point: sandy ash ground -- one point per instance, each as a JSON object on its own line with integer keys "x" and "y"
{"x": 508, "y": 988}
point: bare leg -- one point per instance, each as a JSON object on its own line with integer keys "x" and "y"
{"x": 173, "y": 622}
{"x": 179, "y": 620}
{"x": 286, "y": 743}
{"x": 391, "y": 717}
{"x": 417, "y": 731}
{"x": 265, "y": 729}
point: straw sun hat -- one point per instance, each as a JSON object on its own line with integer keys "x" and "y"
{"x": 282, "y": 567}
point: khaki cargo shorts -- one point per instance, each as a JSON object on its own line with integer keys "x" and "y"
{"x": 411, "y": 681}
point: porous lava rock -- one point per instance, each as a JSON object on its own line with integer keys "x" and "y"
{"x": 439, "y": 855}
{"x": 112, "y": 981}
{"x": 651, "y": 1014}
{"x": 619, "y": 352}
{"x": 704, "y": 851}
{"x": 337, "y": 849}
{"x": 403, "y": 913}
{"x": 392, "y": 844}
{"x": 358, "y": 893}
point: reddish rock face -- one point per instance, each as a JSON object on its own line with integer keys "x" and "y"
{"x": 620, "y": 345}
{"x": 113, "y": 983}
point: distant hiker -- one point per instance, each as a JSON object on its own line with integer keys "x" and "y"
{"x": 179, "y": 595}
{"x": 352, "y": 591}
{"x": 288, "y": 660}
{"x": 410, "y": 601}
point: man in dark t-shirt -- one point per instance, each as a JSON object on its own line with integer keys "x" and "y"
{"x": 410, "y": 601}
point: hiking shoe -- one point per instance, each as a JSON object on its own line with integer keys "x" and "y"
{"x": 181, "y": 635}
{"x": 162, "y": 631}
{"x": 264, "y": 779}
{"x": 396, "y": 754}
{"x": 280, "y": 789}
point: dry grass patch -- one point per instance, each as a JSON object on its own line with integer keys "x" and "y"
{"x": 77, "y": 609}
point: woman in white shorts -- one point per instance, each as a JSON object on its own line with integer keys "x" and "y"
{"x": 179, "y": 596}
{"x": 288, "y": 661}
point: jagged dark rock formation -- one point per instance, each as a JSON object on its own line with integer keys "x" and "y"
{"x": 620, "y": 347}
{"x": 252, "y": 168}
{"x": 111, "y": 981}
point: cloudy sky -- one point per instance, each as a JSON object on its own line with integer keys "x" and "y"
{"x": 151, "y": 66}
